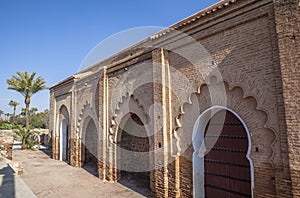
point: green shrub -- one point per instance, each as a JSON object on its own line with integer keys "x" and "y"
{"x": 26, "y": 135}
{"x": 5, "y": 125}
{"x": 30, "y": 142}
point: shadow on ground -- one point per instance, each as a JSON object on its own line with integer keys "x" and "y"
{"x": 91, "y": 169}
{"x": 47, "y": 151}
{"x": 137, "y": 182}
{"x": 7, "y": 188}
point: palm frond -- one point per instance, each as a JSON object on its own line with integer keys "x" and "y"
{"x": 26, "y": 83}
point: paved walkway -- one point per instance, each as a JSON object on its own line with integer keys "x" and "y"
{"x": 11, "y": 185}
{"x": 51, "y": 178}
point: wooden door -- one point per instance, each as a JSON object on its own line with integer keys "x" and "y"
{"x": 227, "y": 169}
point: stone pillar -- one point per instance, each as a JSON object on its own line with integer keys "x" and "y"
{"x": 109, "y": 147}
{"x": 55, "y": 147}
{"x": 162, "y": 118}
{"x": 52, "y": 123}
{"x": 177, "y": 177}
{"x": 103, "y": 116}
{"x": 74, "y": 152}
{"x": 73, "y": 133}
{"x": 80, "y": 152}
{"x": 287, "y": 21}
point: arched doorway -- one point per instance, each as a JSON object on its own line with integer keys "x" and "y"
{"x": 133, "y": 169}
{"x": 221, "y": 166}
{"x": 90, "y": 147}
{"x": 64, "y": 134}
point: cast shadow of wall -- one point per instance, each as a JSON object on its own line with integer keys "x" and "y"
{"x": 7, "y": 180}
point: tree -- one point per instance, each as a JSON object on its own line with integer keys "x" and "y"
{"x": 27, "y": 85}
{"x": 7, "y": 115}
{"x": 40, "y": 120}
{"x": 26, "y": 135}
{"x": 37, "y": 119}
{"x": 14, "y": 104}
{"x": 1, "y": 112}
{"x": 32, "y": 111}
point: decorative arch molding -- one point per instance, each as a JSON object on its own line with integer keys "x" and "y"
{"x": 63, "y": 133}
{"x": 128, "y": 104}
{"x": 84, "y": 126}
{"x": 97, "y": 97}
{"x": 63, "y": 113}
{"x": 200, "y": 148}
{"x": 88, "y": 92}
{"x": 87, "y": 112}
{"x": 250, "y": 108}
{"x": 264, "y": 99}
{"x": 83, "y": 139}
{"x": 95, "y": 89}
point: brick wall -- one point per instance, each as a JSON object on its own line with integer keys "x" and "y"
{"x": 255, "y": 45}
{"x": 287, "y": 19}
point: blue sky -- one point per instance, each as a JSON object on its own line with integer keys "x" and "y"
{"x": 52, "y": 37}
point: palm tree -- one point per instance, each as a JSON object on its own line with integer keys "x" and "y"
{"x": 27, "y": 85}
{"x": 25, "y": 134}
{"x": 14, "y": 104}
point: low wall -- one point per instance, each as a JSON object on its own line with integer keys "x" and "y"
{"x": 6, "y": 144}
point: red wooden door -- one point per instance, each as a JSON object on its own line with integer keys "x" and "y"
{"x": 227, "y": 169}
